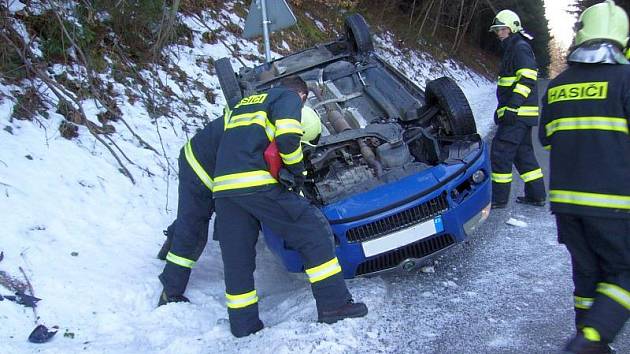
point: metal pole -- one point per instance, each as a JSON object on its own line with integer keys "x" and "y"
{"x": 265, "y": 24}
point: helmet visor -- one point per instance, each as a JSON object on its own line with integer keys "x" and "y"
{"x": 496, "y": 25}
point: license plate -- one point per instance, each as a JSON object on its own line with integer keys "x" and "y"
{"x": 403, "y": 237}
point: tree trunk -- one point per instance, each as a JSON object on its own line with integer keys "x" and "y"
{"x": 459, "y": 25}
{"x": 437, "y": 18}
{"x": 426, "y": 15}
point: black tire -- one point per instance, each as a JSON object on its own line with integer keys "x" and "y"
{"x": 229, "y": 84}
{"x": 455, "y": 117}
{"x": 358, "y": 35}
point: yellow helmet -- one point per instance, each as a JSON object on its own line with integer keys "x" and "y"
{"x": 311, "y": 124}
{"x": 507, "y": 18}
{"x": 605, "y": 21}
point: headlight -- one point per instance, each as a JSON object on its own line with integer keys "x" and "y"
{"x": 478, "y": 177}
{"x": 474, "y": 222}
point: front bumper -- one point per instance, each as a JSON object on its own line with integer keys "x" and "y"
{"x": 398, "y": 225}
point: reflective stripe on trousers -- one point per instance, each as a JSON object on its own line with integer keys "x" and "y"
{"x": 532, "y": 175}
{"x": 615, "y": 292}
{"x": 180, "y": 261}
{"x": 239, "y": 301}
{"x": 501, "y": 177}
{"x": 583, "y": 303}
{"x": 323, "y": 271}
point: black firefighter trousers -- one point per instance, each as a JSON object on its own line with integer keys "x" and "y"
{"x": 189, "y": 231}
{"x": 600, "y": 256}
{"x": 512, "y": 144}
{"x": 302, "y": 227}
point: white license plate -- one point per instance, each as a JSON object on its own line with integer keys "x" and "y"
{"x": 403, "y": 237}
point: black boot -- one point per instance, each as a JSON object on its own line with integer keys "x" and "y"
{"x": 239, "y": 331}
{"x": 530, "y": 201}
{"x": 165, "y": 299}
{"x": 580, "y": 345}
{"x": 349, "y": 310}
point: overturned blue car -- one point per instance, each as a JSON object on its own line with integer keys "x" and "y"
{"x": 399, "y": 172}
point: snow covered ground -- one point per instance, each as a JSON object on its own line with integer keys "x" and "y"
{"x": 87, "y": 237}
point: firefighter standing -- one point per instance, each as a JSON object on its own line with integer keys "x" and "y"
{"x": 516, "y": 114}
{"x": 246, "y": 194}
{"x": 585, "y": 124}
{"x": 188, "y": 234}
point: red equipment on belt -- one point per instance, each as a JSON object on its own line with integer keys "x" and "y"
{"x": 272, "y": 158}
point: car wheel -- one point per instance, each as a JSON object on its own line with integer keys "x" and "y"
{"x": 358, "y": 35}
{"x": 229, "y": 84}
{"x": 455, "y": 117}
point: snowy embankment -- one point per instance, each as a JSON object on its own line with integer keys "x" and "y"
{"x": 86, "y": 237}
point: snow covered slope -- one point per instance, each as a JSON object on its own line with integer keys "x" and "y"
{"x": 86, "y": 237}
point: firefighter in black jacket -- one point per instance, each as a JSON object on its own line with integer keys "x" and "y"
{"x": 585, "y": 125}
{"x": 188, "y": 234}
{"x": 516, "y": 114}
{"x": 246, "y": 194}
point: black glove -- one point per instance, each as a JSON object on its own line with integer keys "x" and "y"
{"x": 289, "y": 180}
{"x": 509, "y": 117}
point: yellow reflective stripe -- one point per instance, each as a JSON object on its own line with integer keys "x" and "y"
{"x": 532, "y": 175}
{"x": 547, "y": 147}
{"x": 522, "y": 90}
{"x": 579, "y": 91}
{"x": 285, "y": 126}
{"x": 196, "y": 166}
{"x": 246, "y": 119}
{"x": 243, "y": 180}
{"x": 527, "y": 73}
{"x": 294, "y": 157}
{"x": 591, "y": 334}
{"x": 323, "y": 271}
{"x": 583, "y": 303}
{"x": 587, "y": 123}
{"x": 615, "y": 292}
{"x": 227, "y": 114}
{"x": 501, "y": 177}
{"x": 590, "y": 199}
{"x": 506, "y": 80}
{"x": 522, "y": 111}
{"x": 180, "y": 261}
{"x": 241, "y": 300}
{"x": 528, "y": 111}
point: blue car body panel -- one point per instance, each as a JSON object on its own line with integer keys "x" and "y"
{"x": 451, "y": 182}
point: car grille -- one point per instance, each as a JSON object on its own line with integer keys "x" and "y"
{"x": 404, "y": 219}
{"x": 418, "y": 249}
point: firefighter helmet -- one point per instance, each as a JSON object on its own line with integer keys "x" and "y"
{"x": 311, "y": 124}
{"x": 507, "y": 18}
{"x": 603, "y": 21}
